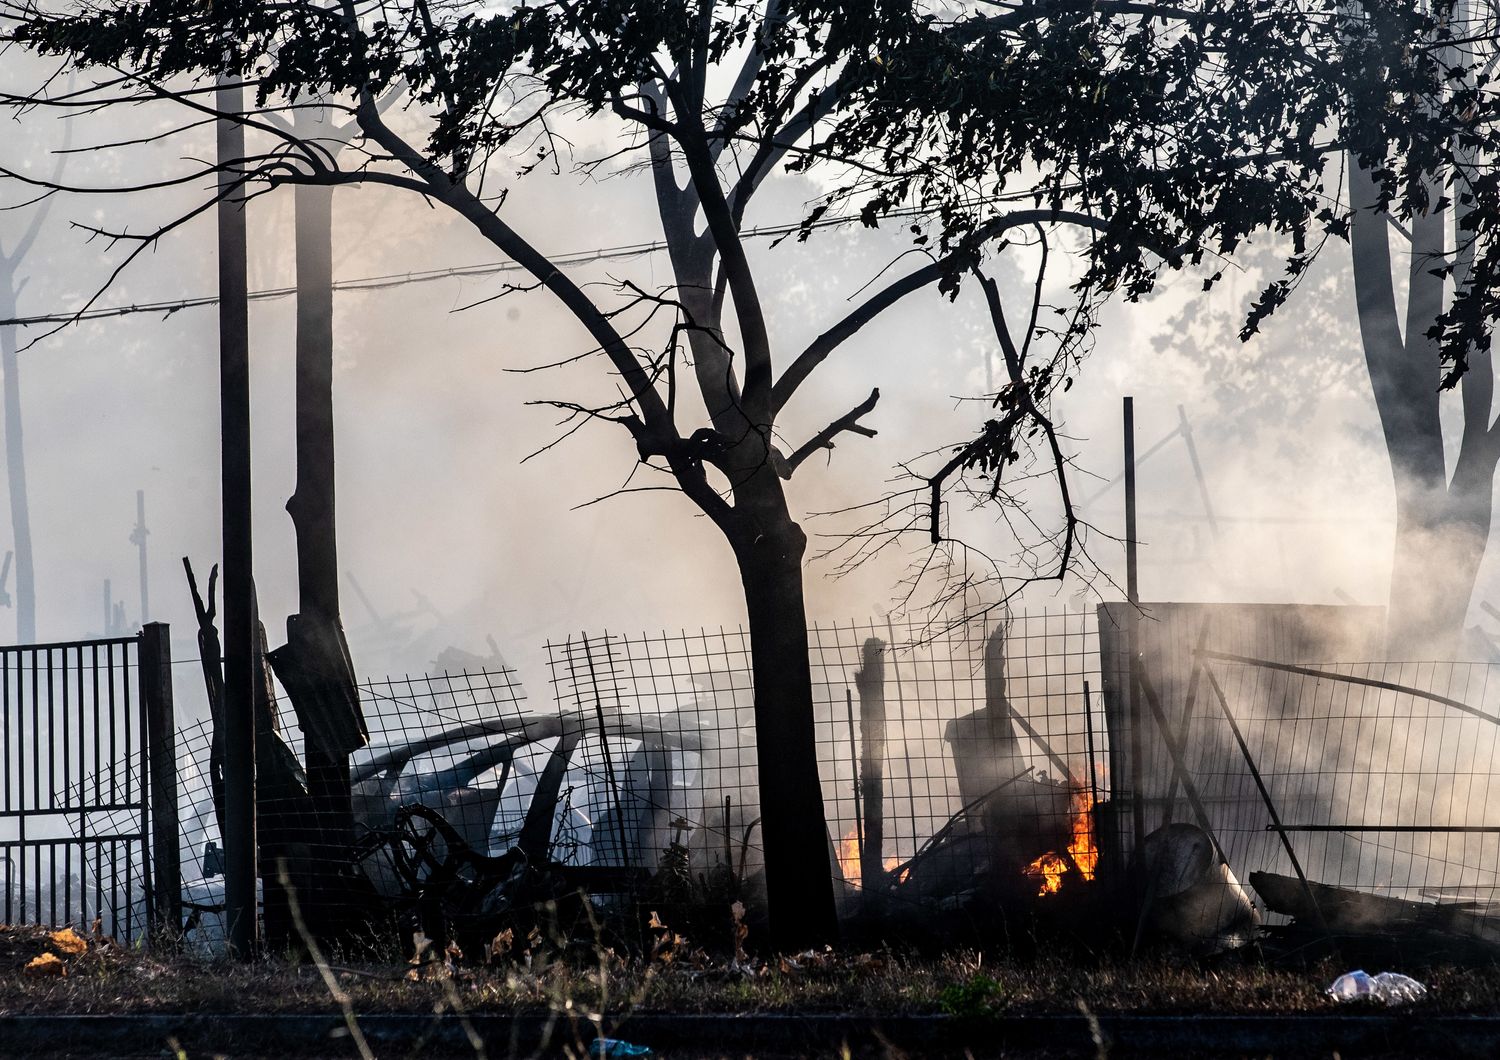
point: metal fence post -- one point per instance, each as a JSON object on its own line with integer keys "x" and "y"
{"x": 161, "y": 739}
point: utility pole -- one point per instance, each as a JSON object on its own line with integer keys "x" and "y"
{"x": 239, "y": 601}
{"x": 1133, "y": 631}
{"x": 138, "y": 539}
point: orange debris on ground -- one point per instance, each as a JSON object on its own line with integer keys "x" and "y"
{"x": 68, "y": 942}
{"x": 45, "y": 965}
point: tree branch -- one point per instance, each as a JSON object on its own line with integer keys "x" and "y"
{"x": 824, "y": 438}
{"x": 458, "y": 198}
{"x": 814, "y": 355}
{"x": 745, "y": 80}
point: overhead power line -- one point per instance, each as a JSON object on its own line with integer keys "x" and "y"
{"x": 401, "y": 279}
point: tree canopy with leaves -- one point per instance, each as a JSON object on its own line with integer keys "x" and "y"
{"x": 1122, "y": 136}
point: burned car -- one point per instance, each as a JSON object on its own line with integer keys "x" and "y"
{"x": 459, "y": 826}
{"x": 560, "y": 791}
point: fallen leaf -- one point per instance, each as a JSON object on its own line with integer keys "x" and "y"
{"x": 45, "y": 965}
{"x": 68, "y": 942}
{"x": 500, "y": 946}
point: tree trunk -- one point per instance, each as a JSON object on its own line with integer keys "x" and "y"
{"x": 799, "y": 879}
{"x": 15, "y": 466}
{"x": 312, "y": 504}
{"x": 318, "y": 647}
{"x": 1440, "y": 543}
{"x": 1442, "y": 521}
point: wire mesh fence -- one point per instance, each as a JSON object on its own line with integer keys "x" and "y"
{"x": 648, "y": 744}
{"x": 948, "y": 763}
{"x": 943, "y": 707}
{"x": 1381, "y": 777}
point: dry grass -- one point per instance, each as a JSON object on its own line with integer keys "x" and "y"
{"x": 109, "y": 979}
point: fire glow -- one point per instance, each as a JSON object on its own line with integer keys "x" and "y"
{"x": 848, "y": 854}
{"x": 1049, "y": 869}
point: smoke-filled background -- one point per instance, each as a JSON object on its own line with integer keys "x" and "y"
{"x": 453, "y": 539}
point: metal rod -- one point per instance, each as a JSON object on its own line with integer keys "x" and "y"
{"x": 165, "y": 913}
{"x": 239, "y": 605}
{"x": 1184, "y": 725}
{"x": 1179, "y": 764}
{"x": 1088, "y": 732}
{"x": 1420, "y": 829}
{"x": 1368, "y": 682}
{"x": 138, "y": 538}
{"x": 1047, "y": 749}
{"x": 609, "y": 761}
{"x": 1132, "y": 628}
{"x": 1265, "y": 796}
{"x": 1132, "y": 588}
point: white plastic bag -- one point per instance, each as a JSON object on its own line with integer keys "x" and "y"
{"x": 1388, "y": 988}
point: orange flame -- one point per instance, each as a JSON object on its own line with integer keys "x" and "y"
{"x": 848, "y": 854}
{"x": 848, "y": 858}
{"x": 1049, "y": 869}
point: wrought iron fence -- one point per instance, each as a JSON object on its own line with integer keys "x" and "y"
{"x": 78, "y": 723}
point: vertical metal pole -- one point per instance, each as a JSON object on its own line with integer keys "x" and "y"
{"x": 138, "y": 538}
{"x": 1133, "y": 629}
{"x": 1132, "y": 588}
{"x": 161, "y": 740}
{"x": 239, "y": 603}
{"x": 1088, "y": 731}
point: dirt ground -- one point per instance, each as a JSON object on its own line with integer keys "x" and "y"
{"x": 53, "y": 973}
{"x": 47, "y": 972}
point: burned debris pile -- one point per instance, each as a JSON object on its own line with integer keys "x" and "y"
{"x": 473, "y": 815}
{"x": 1447, "y": 925}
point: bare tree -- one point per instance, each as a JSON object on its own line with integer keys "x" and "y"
{"x": 12, "y": 282}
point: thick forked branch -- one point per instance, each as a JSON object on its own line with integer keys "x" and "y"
{"x": 1016, "y": 370}
{"x": 814, "y": 355}
{"x": 745, "y": 80}
{"x": 824, "y": 439}
{"x": 749, "y": 313}
{"x": 774, "y": 148}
